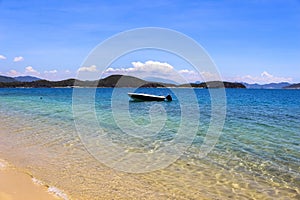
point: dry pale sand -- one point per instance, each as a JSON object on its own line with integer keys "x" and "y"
{"x": 15, "y": 185}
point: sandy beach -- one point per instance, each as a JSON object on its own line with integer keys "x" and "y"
{"x": 16, "y": 185}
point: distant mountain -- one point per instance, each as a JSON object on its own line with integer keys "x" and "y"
{"x": 6, "y": 79}
{"x": 267, "y": 86}
{"x": 114, "y": 81}
{"x": 111, "y": 81}
{"x": 160, "y": 80}
{"x": 121, "y": 81}
{"x": 293, "y": 86}
{"x": 26, "y": 78}
{"x": 214, "y": 84}
{"x": 129, "y": 81}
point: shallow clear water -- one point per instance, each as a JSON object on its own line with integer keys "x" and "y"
{"x": 256, "y": 157}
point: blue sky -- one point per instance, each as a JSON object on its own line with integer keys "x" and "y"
{"x": 253, "y": 41}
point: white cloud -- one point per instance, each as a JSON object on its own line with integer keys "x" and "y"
{"x": 190, "y": 76}
{"x": 208, "y": 76}
{"x": 18, "y": 59}
{"x": 186, "y": 71}
{"x": 147, "y": 69}
{"x": 266, "y": 75}
{"x": 194, "y": 76}
{"x": 51, "y": 72}
{"x": 88, "y": 73}
{"x": 52, "y": 75}
{"x": 67, "y": 71}
{"x": 162, "y": 70}
{"x": 30, "y": 70}
{"x": 91, "y": 68}
{"x": 13, "y": 73}
{"x": 143, "y": 69}
{"x": 152, "y": 66}
{"x": 2, "y": 57}
{"x": 264, "y": 78}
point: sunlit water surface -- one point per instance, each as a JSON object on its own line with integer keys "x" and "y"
{"x": 256, "y": 157}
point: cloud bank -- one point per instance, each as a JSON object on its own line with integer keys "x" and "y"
{"x": 31, "y": 71}
{"x": 157, "y": 69}
{"x": 265, "y": 77}
{"x": 149, "y": 69}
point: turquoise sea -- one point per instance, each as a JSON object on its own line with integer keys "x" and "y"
{"x": 257, "y": 155}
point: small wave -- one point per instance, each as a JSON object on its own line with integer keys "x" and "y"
{"x": 3, "y": 164}
{"x": 52, "y": 190}
{"x": 36, "y": 181}
{"x": 57, "y": 192}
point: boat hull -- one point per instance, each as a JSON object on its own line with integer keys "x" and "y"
{"x": 146, "y": 97}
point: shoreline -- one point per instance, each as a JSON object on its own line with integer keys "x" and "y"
{"x": 18, "y": 185}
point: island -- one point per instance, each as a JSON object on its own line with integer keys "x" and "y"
{"x": 111, "y": 82}
{"x": 293, "y": 86}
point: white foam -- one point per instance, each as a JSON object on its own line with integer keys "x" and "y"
{"x": 3, "y": 164}
{"x": 37, "y": 181}
{"x": 52, "y": 190}
{"x": 57, "y": 193}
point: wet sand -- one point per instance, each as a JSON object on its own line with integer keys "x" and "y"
{"x": 16, "y": 185}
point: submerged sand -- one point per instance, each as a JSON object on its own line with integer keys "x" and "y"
{"x": 59, "y": 162}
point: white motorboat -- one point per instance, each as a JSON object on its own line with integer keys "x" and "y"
{"x": 149, "y": 97}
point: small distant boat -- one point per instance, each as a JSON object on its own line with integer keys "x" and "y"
{"x": 149, "y": 97}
